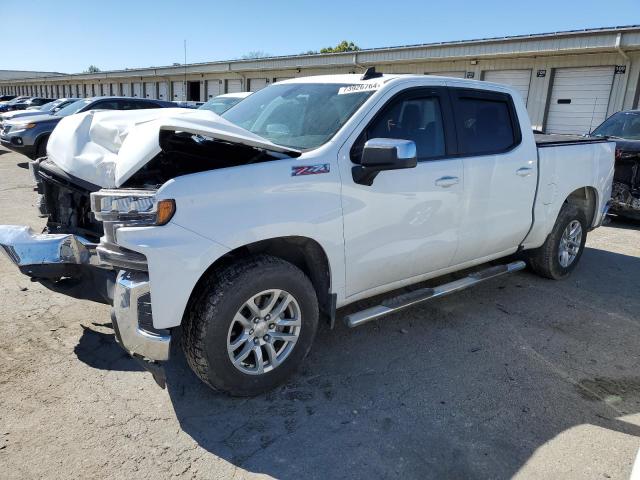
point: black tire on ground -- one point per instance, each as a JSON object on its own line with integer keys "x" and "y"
{"x": 41, "y": 150}
{"x": 544, "y": 260}
{"x": 209, "y": 316}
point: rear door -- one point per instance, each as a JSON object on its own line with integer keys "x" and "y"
{"x": 406, "y": 223}
{"x": 500, "y": 172}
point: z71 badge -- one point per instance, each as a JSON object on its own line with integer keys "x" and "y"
{"x": 310, "y": 169}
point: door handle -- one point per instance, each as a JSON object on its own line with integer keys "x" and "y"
{"x": 524, "y": 171}
{"x": 446, "y": 182}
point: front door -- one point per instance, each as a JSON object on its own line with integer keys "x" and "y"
{"x": 406, "y": 223}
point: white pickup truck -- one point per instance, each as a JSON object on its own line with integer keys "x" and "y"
{"x": 309, "y": 195}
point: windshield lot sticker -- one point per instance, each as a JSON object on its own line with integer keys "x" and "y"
{"x": 310, "y": 169}
{"x": 360, "y": 87}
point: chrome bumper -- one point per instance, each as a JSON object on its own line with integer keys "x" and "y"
{"x": 37, "y": 253}
{"x": 131, "y": 308}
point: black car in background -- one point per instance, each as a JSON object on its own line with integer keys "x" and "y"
{"x": 4, "y": 98}
{"x": 624, "y": 129}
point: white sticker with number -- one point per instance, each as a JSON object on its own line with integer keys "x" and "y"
{"x": 359, "y": 87}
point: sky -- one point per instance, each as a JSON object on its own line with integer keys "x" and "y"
{"x": 69, "y": 35}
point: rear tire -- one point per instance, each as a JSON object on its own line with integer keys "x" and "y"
{"x": 224, "y": 313}
{"x": 561, "y": 252}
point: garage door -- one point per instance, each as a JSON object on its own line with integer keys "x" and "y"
{"x": 150, "y": 90}
{"x": 516, "y": 79}
{"x": 114, "y": 89}
{"x": 105, "y": 90}
{"x": 178, "y": 91}
{"x": 256, "y": 84}
{"x": 137, "y": 89}
{"x": 126, "y": 89}
{"x": 163, "y": 91}
{"x": 96, "y": 90}
{"x": 234, "y": 86}
{"x": 213, "y": 88}
{"x": 579, "y": 99}
{"x": 448, "y": 74}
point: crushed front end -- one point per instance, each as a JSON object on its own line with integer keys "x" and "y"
{"x": 625, "y": 195}
{"x": 78, "y": 251}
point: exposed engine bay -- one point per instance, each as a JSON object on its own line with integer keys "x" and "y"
{"x": 184, "y": 153}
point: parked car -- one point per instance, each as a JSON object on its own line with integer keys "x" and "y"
{"x": 31, "y": 102}
{"x": 48, "y": 108}
{"x": 30, "y": 136}
{"x": 4, "y": 98}
{"x": 309, "y": 195}
{"x": 624, "y": 129}
{"x": 8, "y": 105}
{"x": 222, "y": 103}
{"x": 187, "y": 104}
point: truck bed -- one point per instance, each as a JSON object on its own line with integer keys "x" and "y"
{"x": 544, "y": 140}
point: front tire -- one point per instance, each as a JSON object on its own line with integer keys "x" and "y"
{"x": 560, "y": 253}
{"x": 250, "y": 325}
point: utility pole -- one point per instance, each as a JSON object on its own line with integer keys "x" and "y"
{"x": 184, "y": 86}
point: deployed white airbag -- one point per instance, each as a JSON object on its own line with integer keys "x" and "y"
{"x": 107, "y": 147}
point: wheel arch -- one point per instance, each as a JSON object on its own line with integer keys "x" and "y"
{"x": 303, "y": 252}
{"x": 587, "y": 200}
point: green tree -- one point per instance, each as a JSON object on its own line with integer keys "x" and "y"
{"x": 343, "y": 46}
{"x": 92, "y": 69}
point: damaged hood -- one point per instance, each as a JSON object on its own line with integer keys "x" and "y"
{"x": 107, "y": 147}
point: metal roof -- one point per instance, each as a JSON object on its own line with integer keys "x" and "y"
{"x": 561, "y": 42}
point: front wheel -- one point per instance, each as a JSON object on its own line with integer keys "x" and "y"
{"x": 560, "y": 253}
{"x": 250, "y": 325}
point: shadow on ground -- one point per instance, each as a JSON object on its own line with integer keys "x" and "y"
{"x": 624, "y": 223}
{"x": 99, "y": 349}
{"x": 468, "y": 386}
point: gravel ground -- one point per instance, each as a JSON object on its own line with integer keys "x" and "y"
{"x": 519, "y": 377}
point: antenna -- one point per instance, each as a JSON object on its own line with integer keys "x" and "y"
{"x": 370, "y": 73}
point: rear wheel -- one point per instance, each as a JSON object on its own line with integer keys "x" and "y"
{"x": 251, "y": 325}
{"x": 560, "y": 253}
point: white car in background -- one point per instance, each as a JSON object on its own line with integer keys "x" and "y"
{"x": 222, "y": 103}
{"x": 48, "y": 108}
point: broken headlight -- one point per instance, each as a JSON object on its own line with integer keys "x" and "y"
{"x": 131, "y": 207}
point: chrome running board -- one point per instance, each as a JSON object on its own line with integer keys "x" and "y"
{"x": 392, "y": 305}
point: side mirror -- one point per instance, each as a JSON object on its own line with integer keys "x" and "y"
{"x": 381, "y": 154}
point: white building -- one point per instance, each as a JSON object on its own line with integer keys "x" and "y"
{"x": 571, "y": 81}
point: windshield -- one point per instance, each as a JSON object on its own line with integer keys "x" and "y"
{"x": 72, "y": 108}
{"x": 297, "y": 115}
{"x": 622, "y": 125}
{"x": 17, "y": 100}
{"x": 47, "y": 107}
{"x": 220, "y": 104}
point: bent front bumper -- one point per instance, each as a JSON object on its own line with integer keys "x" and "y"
{"x": 54, "y": 256}
{"x": 132, "y": 318}
{"x": 45, "y": 255}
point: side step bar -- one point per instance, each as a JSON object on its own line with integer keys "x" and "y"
{"x": 392, "y": 305}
